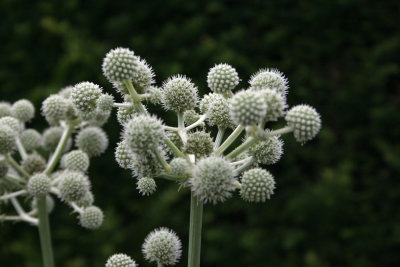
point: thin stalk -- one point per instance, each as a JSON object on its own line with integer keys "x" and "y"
{"x": 44, "y": 232}
{"x": 196, "y": 217}
{"x": 219, "y": 137}
{"x": 174, "y": 148}
{"x": 171, "y": 177}
{"x": 122, "y": 105}
{"x": 162, "y": 160}
{"x": 281, "y": 131}
{"x": 60, "y": 148}
{"x": 22, "y": 213}
{"x": 159, "y": 264}
{"x": 248, "y": 143}
{"x": 14, "y": 194}
{"x": 197, "y": 123}
{"x": 15, "y": 181}
{"x": 16, "y": 166}
{"x": 135, "y": 96}
{"x": 21, "y": 148}
{"x": 235, "y": 134}
{"x": 245, "y": 166}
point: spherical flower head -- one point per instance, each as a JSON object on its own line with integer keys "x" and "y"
{"x": 162, "y": 246}
{"x": 66, "y": 91}
{"x": 12, "y": 122}
{"x": 84, "y": 96}
{"x": 206, "y": 100}
{"x": 76, "y": 160}
{"x": 23, "y": 110}
{"x": 146, "y": 186}
{"x": 30, "y": 139}
{"x": 179, "y": 94}
{"x": 39, "y": 185}
{"x": 73, "y": 186}
{"x": 218, "y": 113}
{"x": 276, "y": 104}
{"x": 120, "y": 260}
{"x": 92, "y": 140}
{"x": 155, "y": 95}
{"x": 199, "y": 143}
{"x": 305, "y": 121}
{"x": 123, "y": 155}
{"x": 143, "y": 132}
{"x": 99, "y": 118}
{"x": 34, "y": 163}
{"x": 51, "y": 137}
{"x": 49, "y": 204}
{"x": 5, "y": 109}
{"x": 268, "y": 152}
{"x": 180, "y": 167}
{"x": 91, "y": 218}
{"x": 222, "y": 78}
{"x": 125, "y": 114}
{"x": 7, "y": 139}
{"x": 271, "y": 79}
{"x": 190, "y": 116}
{"x": 86, "y": 201}
{"x": 119, "y": 65}
{"x": 213, "y": 179}
{"x": 146, "y": 164}
{"x": 143, "y": 76}
{"x": 257, "y": 185}
{"x": 247, "y": 108}
{"x": 55, "y": 108}
{"x": 3, "y": 168}
{"x": 105, "y": 102}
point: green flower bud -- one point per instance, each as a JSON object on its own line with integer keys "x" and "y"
{"x": 199, "y": 144}
{"x": 247, "y": 108}
{"x": 257, "y": 185}
{"x": 39, "y": 185}
{"x": 155, "y": 95}
{"x": 213, "y": 179}
{"x": 276, "y": 104}
{"x": 270, "y": 79}
{"x": 162, "y": 246}
{"x": 7, "y": 139}
{"x": 119, "y": 65}
{"x": 86, "y": 201}
{"x": 84, "y": 96}
{"x": 218, "y": 113}
{"x": 305, "y": 121}
{"x": 5, "y": 109}
{"x": 222, "y": 78}
{"x": 105, "y": 102}
{"x": 125, "y": 114}
{"x": 123, "y": 155}
{"x": 146, "y": 186}
{"x": 55, "y": 108}
{"x": 143, "y": 76}
{"x": 179, "y": 167}
{"x": 11, "y": 122}
{"x": 92, "y": 140}
{"x": 3, "y": 168}
{"x": 143, "y": 132}
{"x": 34, "y": 163}
{"x": 179, "y": 94}
{"x": 91, "y": 218}
{"x": 76, "y": 160}
{"x": 268, "y": 152}
{"x": 31, "y": 139}
{"x": 120, "y": 260}
{"x": 23, "y": 110}
{"x": 190, "y": 117}
{"x": 73, "y": 186}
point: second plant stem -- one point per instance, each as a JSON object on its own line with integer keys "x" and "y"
{"x": 195, "y": 225}
{"x": 44, "y": 232}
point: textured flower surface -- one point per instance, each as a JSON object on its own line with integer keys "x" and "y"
{"x": 257, "y": 185}
{"x": 248, "y": 108}
{"x": 120, "y": 260}
{"x": 305, "y": 121}
{"x": 179, "y": 94}
{"x": 222, "y": 78}
{"x": 119, "y": 65}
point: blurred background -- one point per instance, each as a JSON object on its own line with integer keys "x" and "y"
{"x": 338, "y": 196}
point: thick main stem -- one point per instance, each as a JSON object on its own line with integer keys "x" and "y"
{"x": 44, "y": 232}
{"x": 196, "y": 218}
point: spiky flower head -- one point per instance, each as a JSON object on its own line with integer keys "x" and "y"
{"x": 76, "y": 160}
{"x": 55, "y": 108}
{"x": 123, "y": 155}
{"x": 92, "y": 140}
{"x": 270, "y": 78}
{"x": 213, "y": 179}
{"x": 73, "y": 186}
{"x": 146, "y": 186}
{"x": 206, "y": 100}
{"x": 222, "y": 78}
{"x": 84, "y": 96}
{"x": 155, "y": 95}
{"x": 86, "y": 201}
{"x": 91, "y": 218}
{"x": 143, "y": 132}
{"x": 276, "y": 104}
{"x": 146, "y": 164}
{"x": 39, "y": 185}
{"x": 179, "y": 94}
{"x": 30, "y": 139}
{"x": 23, "y": 110}
{"x": 247, "y": 108}
{"x": 199, "y": 143}
{"x": 305, "y": 121}
{"x": 162, "y": 246}
{"x": 268, "y": 152}
{"x": 143, "y": 76}
{"x": 125, "y": 114}
{"x": 3, "y": 168}
{"x": 34, "y": 163}
{"x": 105, "y": 102}
{"x": 5, "y": 109}
{"x": 120, "y": 65}
{"x": 257, "y": 185}
{"x": 12, "y": 122}
{"x": 179, "y": 167}
{"x": 190, "y": 116}
{"x": 218, "y": 113}
{"x": 7, "y": 139}
{"x": 120, "y": 260}
{"x": 49, "y": 204}
{"x": 100, "y": 117}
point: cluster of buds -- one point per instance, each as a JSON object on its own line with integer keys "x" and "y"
{"x": 187, "y": 153}
{"x": 26, "y": 175}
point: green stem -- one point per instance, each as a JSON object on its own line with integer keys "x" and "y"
{"x": 181, "y": 121}
{"x": 135, "y": 96}
{"x": 16, "y": 166}
{"x": 196, "y": 217}
{"x": 219, "y": 137}
{"x": 44, "y": 232}
{"x": 171, "y": 177}
{"x": 174, "y": 148}
{"x": 162, "y": 160}
{"x": 245, "y": 166}
{"x": 21, "y": 148}
{"x": 159, "y": 264}
{"x": 235, "y": 134}
{"x": 248, "y": 143}
{"x": 281, "y": 131}
{"x": 60, "y": 148}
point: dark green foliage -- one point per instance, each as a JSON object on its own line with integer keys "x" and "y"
{"x": 337, "y": 197}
